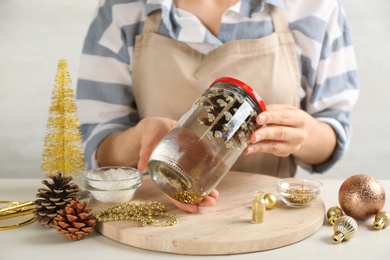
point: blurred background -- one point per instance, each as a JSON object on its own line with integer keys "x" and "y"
{"x": 35, "y": 34}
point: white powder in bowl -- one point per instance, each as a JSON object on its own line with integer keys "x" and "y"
{"x": 113, "y": 185}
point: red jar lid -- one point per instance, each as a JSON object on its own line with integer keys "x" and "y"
{"x": 245, "y": 87}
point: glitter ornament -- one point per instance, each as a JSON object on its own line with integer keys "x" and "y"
{"x": 344, "y": 228}
{"x": 382, "y": 220}
{"x": 361, "y": 197}
{"x": 334, "y": 213}
{"x": 270, "y": 201}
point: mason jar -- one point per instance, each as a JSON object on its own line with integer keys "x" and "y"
{"x": 192, "y": 159}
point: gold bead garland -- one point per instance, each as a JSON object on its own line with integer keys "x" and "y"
{"x": 145, "y": 212}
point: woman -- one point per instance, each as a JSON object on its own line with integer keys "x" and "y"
{"x": 145, "y": 62}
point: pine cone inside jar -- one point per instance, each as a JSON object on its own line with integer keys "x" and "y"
{"x": 59, "y": 192}
{"x": 75, "y": 221}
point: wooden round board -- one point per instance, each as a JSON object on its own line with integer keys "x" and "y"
{"x": 225, "y": 228}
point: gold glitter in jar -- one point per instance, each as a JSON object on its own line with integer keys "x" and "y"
{"x": 258, "y": 207}
{"x": 300, "y": 196}
{"x": 188, "y": 197}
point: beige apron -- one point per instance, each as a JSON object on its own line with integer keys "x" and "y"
{"x": 168, "y": 76}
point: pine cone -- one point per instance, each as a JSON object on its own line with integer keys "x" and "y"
{"x": 60, "y": 191}
{"x": 75, "y": 221}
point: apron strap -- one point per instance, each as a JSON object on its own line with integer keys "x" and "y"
{"x": 279, "y": 19}
{"x": 152, "y": 22}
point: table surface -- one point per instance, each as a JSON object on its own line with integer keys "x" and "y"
{"x": 223, "y": 229}
{"x": 37, "y": 242}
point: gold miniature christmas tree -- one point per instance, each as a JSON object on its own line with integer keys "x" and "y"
{"x": 62, "y": 150}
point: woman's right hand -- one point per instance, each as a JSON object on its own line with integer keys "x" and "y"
{"x": 208, "y": 201}
{"x": 134, "y": 146}
{"x": 153, "y": 130}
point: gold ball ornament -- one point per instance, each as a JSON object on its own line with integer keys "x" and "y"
{"x": 334, "y": 213}
{"x": 344, "y": 228}
{"x": 270, "y": 201}
{"x": 361, "y": 197}
{"x": 382, "y": 220}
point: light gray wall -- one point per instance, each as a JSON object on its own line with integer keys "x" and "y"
{"x": 35, "y": 34}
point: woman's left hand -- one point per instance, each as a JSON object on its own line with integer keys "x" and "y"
{"x": 282, "y": 133}
{"x": 287, "y": 130}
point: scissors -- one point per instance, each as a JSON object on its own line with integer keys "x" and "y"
{"x": 16, "y": 209}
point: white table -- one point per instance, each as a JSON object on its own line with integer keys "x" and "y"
{"x": 36, "y": 242}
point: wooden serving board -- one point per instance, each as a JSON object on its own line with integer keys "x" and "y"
{"x": 225, "y": 228}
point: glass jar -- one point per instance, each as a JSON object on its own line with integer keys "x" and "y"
{"x": 192, "y": 159}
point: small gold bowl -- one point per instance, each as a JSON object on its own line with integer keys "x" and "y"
{"x": 298, "y": 192}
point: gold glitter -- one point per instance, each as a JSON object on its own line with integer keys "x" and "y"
{"x": 188, "y": 197}
{"x": 300, "y": 196}
{"x": 258, "y": 208}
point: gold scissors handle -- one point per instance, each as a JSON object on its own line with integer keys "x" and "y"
{"x": 16, "y": 209}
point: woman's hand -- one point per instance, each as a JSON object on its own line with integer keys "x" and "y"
{"x": 135, "y": 145}
{"x": 208, "y": 201}
{"x": 288, "y": 130}
{"x": 152, "y": 130}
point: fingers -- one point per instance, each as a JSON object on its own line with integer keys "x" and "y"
{"x": 278, "y": 140}
{"x": 278, "y": 133}
{"x": 152, "y": 131}
{"x": 214, "y": 194}
{"x": 191, "y": 208}
{"x": 281, "y": 115}
{"x": 144, "y": 155}
{"x": 282, "y": 132}
{"x": 208, "y": 201}
{"x": 281, "y": 149}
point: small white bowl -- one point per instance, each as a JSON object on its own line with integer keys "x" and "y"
{"x": 298, "y": 192}
{"x": 112, "y": 184}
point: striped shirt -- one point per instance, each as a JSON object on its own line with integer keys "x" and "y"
{"x": 320, "y": 28}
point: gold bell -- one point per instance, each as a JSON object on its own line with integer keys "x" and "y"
{"x": 344, "y": 228}
{"x": 334, "y": 213}
{"x": 382, "y": 220}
